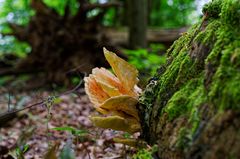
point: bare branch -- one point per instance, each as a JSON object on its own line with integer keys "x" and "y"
{"x": 12, "y": 113}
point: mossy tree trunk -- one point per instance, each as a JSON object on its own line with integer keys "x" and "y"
{"x": 191, "y": 107}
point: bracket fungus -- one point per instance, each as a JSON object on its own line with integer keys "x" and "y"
{"x": 115, "y": 96}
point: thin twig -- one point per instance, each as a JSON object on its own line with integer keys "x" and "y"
{"x": 41, "y": 103}
{"x": 9, "y": 102}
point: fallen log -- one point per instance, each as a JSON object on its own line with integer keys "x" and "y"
{"x": 156, "y": 35}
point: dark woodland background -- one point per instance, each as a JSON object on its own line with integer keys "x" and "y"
{"x": 58, "y": 40}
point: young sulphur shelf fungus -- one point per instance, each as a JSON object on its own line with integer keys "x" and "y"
{"x": 114, "y": 95}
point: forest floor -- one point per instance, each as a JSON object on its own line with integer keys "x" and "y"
{"x": 33, "y": 128}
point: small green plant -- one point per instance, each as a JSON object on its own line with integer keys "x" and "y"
{"x": 127, "y": 135}
{"x": 147, "y": 61}
{"x": 49, "y": 102}
{"x": 67, "y": 152}
{"x": 73, "y": 131}
{"x": 79, "y": 135}
{"x": 145, "y": 153}
{"x": 21, "y": 150}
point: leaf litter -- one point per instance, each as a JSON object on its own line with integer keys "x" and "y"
{"x": 66, "y": 126}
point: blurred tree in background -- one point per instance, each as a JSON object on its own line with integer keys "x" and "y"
{"x": 171, "y": 13}
{"x": 81, "y": 31}
{"x": 137, "y": 23}
{"x": 161, "y": 13}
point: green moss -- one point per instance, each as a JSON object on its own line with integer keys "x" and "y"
{"x": 230, "y": 13}
{"x": 178, "y": 68}
{"x": 208, "y": 35}
{"x": 196, "y": 99}
{"x": 183, "y": 139}
{"x": 225, "y": 92}
{"x": 181, "y": 89}
{"x": 225, "y": 57}
{"x": 162, "y": 82}
{"x": 213, "y": 9}
{"x": 171, "y": 74}
{"x": 182, "y": 43}
{"x": 188, "y": 70}
{"x": 186, "y": 100}
{"x": 146, "y": 101}
{"x": 232, "y": 157}
{"x": 215, "y": 54}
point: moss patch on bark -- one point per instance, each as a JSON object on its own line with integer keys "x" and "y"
{"x": 201, "y": 80}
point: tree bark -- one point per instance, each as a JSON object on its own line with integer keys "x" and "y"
{"x": 191, "y": 107}
{"x": 137, "y": 23}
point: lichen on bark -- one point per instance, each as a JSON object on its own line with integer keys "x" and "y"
{"x": 197, "y": 91}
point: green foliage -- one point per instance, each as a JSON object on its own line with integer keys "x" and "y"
{"x": 171, "y": 13}
{"x": 10, "y": 45}
{"x": 59, "y": 6}
{"x": 14, "y": 11}
{"x": 3, "y": 80}
{"x": 20, "y": 151}
{"x": 145, "y": 153}
{"x": 18, "y": 12}
{"x": 72, "y": 130}
{"x": 146, "y": 62}
{"x": 127, "y": 135}
{"x": 162, "y": 13}
{"x": 108, "y": 19}
{"x": 67, "y": 152}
